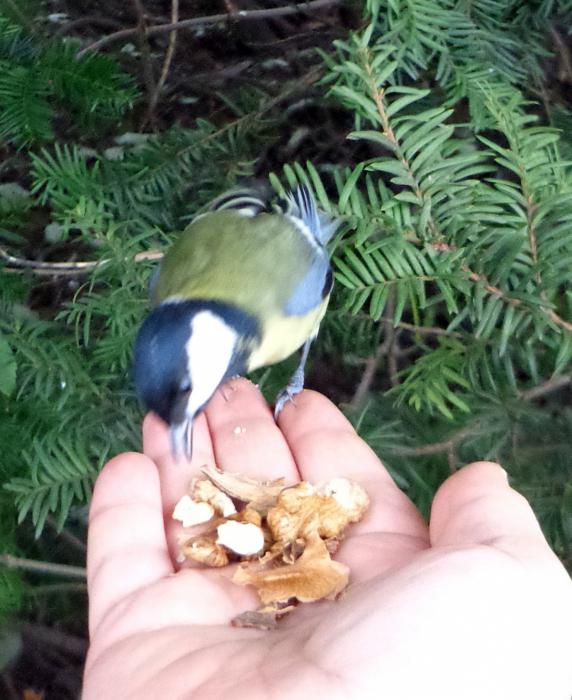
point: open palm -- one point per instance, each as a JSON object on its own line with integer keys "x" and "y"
{"x": 473, "y": 605}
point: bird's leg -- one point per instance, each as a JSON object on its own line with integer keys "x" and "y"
{"x": 296, "y": 382}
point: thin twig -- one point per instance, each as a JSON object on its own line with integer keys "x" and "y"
{"x": 144, "y": 48}
{"x": 242, "y": 15}
{"x": 166, "y": 65}
{"x": 434, "y": 448}
{"x": 547, "y": 387}
{"x": 69, "y": 27}
{"x": 58, "y": 588}
{"x": 42, "y": 567}
{"x": 426, "y": 330}
{"x": 392, "y": 355}
{"x": 372, "y": 363}
{"x": 66, "y": 535}
{"x": 371, "y": 366}
{"x": 16, "y": 264}
{"x": 565, "y": 64}
{"x": 378, "y": 95}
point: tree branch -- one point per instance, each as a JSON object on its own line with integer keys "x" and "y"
{"x": 16, "y": 264}
{"x": 42, "y": 567}
{"x": 242, "y": 15}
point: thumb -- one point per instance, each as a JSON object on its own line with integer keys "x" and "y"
{"x": 476, "y": 506}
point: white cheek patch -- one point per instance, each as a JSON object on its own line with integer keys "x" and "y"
{"x": 209, "y": 352}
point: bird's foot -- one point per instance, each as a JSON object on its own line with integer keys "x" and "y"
{"x": 294, "y": 386}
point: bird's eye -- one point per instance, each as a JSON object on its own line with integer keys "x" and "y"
{"x": 185, "y": 386}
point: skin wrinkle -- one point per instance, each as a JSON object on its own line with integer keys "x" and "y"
{"x": 385, "y": 558}
{"x": 144, "y": 669}
{"x": 120, "y": 509}
{"x": 189, "y": 660}
{"x": 122, "y": 611}
{"x": 105, "y": 564}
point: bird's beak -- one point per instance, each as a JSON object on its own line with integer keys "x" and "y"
{"x": 182, "y": 439}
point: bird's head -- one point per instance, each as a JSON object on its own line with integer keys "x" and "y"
{"x": 184, "y": 351}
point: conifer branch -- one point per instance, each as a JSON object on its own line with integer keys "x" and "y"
{"x": 378, "y": 95}
{"x": 499, "y": 293}
{"x": 550, "y": 313}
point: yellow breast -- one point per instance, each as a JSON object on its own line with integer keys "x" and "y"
{"x": 283, "y": 335}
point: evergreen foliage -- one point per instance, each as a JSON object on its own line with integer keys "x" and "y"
{"x": 37, "y": 81}
{"x": 457, "y": 241}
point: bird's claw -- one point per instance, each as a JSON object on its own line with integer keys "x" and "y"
{"x": 284, "y": 397}
{"x": 294, "y": 386}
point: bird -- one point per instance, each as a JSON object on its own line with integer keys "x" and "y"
{"x": 245, "y": 285}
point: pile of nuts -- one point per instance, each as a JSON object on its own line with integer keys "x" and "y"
{"x": 282, "y": 537}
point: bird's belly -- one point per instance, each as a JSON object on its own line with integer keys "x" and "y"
{"x": 283, "y": 335}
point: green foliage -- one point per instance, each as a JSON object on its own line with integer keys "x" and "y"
{"x": 149, "y": 183}
{"x": 66, "y": 375}
{"x": 452, "y": 262}
{"x": 7, "y": 368}
{"x": 460, "y": 229}
{"x": 39, "y": 82}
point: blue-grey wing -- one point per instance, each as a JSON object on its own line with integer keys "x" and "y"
{"x": 313, "y": 288}
{"x": 316, "y": 228}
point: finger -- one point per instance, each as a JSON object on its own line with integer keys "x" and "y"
{"x": 245, "y": 436}
{"x": 175, "y": 475}
{"x": 477, "y": 506}
{"x": 127, "y": 549}
{"x": 325, "y": 445}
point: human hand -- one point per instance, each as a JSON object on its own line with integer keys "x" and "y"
{"x": 473, "y": 606}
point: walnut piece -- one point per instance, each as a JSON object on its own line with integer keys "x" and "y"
{"x": 303, "y": 510}
{"x": 204, "y": 491}
{"x": 260, "y": 495}
{"x": 314, "y": 575}
{"x": 204, "y": 550}
{"x": 190, "y": 513}
{"x": 245, "y": 539}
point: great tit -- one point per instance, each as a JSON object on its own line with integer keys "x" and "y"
{"x": 245, "y": 285}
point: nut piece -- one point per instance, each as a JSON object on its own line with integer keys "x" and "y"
{"x": 350, "y": 496}
{"x": 191, "y": 513}
{"x": 204, "y": 491}
{"x": 311, "y": 577}
{"x": 205, "y": 550}
{"x": 260, "y": 495}
{"x": 301, "y": 511}
{"x": 244, "y": 539}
